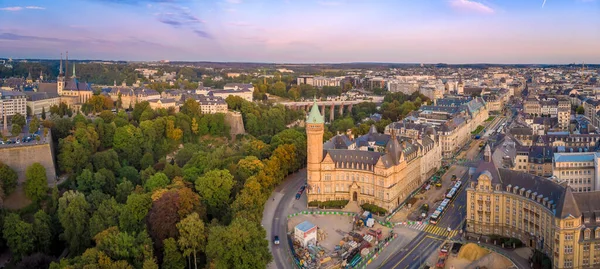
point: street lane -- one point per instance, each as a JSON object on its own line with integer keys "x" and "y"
{"x": 415, "y": 253}
{"x": 275, "y": 214}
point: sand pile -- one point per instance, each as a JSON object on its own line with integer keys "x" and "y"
{"x": 492, "y": 261}
{"x": 472, "y": 252}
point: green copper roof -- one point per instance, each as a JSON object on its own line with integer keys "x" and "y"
{"x": 315, "y": 115}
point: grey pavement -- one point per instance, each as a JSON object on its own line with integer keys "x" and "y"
{"x": 281, "y": 203}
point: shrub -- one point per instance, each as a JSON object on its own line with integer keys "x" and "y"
{"x": 329, "y": 204}
{"x": 374, "y": 209}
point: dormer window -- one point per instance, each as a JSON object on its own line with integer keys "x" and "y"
{"x": 586, "y": 220}
{"x": 587, "y": 233}
{"x": 508, "y": 188}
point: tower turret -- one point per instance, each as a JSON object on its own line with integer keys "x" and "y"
{"x": 60, "y": 81}
{"x": 315, "y": 128}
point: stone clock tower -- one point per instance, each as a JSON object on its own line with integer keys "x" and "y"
{"x": 315, "y": 128}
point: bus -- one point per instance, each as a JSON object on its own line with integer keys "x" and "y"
{"x": 457, "y": 185}
{"x": 451, "y": 193}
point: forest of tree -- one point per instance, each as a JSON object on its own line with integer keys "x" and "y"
{"x": 153, "y": 188}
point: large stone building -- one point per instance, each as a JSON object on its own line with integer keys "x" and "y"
{"x": 579, "y": 170}
{"x": 12, "y": 102}
{"x": 379, "y": 169}
{"x": 542, "y": 213}
{"x": 71, "y": 91}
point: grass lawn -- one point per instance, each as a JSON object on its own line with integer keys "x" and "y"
{"x": 478, "y": 130}
{"x": 491, "y": 118}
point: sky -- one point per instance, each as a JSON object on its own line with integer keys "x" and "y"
{"x": 304, "y": 31}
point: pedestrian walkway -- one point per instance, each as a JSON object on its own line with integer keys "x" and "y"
{"x": 432, "y": 229}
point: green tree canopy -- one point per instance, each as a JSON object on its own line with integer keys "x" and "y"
{"x": 192, "y": 237}
{"x": 74, "y": 217}
{"x": 18, "y": 235}
{"x": 8, "y": 177}
{"x": 214, "y": 189}
{"x": 228, "y": 247}
{"x": 36, "y": 183}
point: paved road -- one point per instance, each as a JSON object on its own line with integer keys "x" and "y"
{"x": 415, "y": 253}
{"x": 282, "y": 201}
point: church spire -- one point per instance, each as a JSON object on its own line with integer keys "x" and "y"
{"x": 74, "y": 71}
{"x": 60, "y": 68}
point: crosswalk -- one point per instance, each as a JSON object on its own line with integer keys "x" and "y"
{"x": 432, "y": 229}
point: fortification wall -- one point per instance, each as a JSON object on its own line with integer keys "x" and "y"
{"x": 19, "y": 157}
{"x": 236, "y": 123}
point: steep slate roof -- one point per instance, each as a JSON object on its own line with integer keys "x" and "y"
{"x": 560, "y": 195}
{"x": 49, "y": 87}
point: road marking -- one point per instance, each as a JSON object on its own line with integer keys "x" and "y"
{"x": 406, "y": 255}
{"x": 411, "y": 251}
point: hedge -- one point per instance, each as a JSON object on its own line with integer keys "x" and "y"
{"x": 374, "y": 209}
{"x": 329, "y": 204}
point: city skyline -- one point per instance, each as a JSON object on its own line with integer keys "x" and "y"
{"x": 288, "y": 31}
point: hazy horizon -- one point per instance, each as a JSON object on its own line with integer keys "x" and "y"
{"x": 304, "y": 32}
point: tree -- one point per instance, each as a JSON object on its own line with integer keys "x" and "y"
{"x": 134, "y": 248}
{"x": 43, "y": 113}
{"x": 214, "y": 189}
{"x": 107, "y": 215}
{"x": 150, "y": 263}
{"x": 134, "y": 212}
{"x": 106, "y": 159}
{"x": 195, "y": 126}
{"x": 250, "y": 202}
{"x": 157, "y": 181}
{"x": 18, "y": 235}
{"x": 192, "y": 238}
{"x": 34, "y": 124}
{"x": 128, "y": 144}
{"x": 73, "y": 157}
{"x": 173, "y": 133}
{"x": 18, "y": 119}
{"x": 36, "y": 183}
{"x": 16, "y": 129}
{"x": 580, "y": 110}
{"x": 162, "y": 219}
{"x": 172, "y": 258}
{"x": 74, "y": 218}
{"x": 228, "y": 247}
{"x": 42, "y": 231}
{"x": 9, "y": 178}
{"x": 147, "y": 160}
{"x": 191, "y": 107}
{"x": 87, "y": 182}
{"x": 131, "y": 174}
{"x": 123, "y": 190}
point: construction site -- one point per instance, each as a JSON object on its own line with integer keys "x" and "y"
{"x": 335, "y": 241}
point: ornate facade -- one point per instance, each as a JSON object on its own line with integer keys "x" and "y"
{"x": 376, "y": 168}
{"x": 542, "y": 213}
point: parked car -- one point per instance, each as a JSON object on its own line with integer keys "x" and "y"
{"x": 276, "y": 240}
{"x": 445, "y": 248}
{"x": 298, "y": 195}
{"x": 441, "y": 262}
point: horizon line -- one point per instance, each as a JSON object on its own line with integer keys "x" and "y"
{"x": 297, "y": 63}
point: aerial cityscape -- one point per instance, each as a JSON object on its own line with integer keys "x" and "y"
{"x": 299, "y": 134}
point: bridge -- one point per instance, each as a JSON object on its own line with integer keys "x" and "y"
{"x": 306, "y": 105}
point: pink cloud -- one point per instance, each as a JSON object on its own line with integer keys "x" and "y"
{"x": 11, "y": 8}
{"x": 471, "y": 6}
